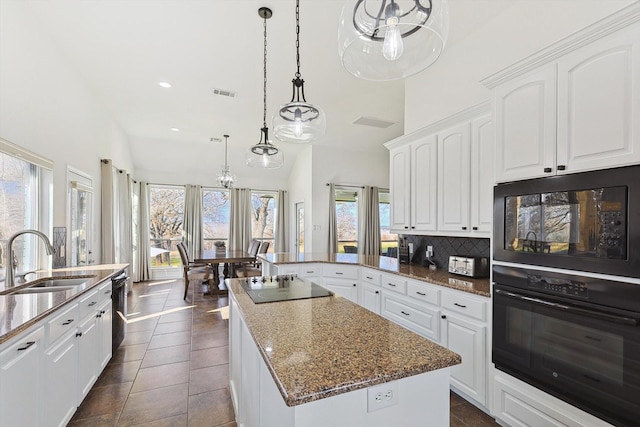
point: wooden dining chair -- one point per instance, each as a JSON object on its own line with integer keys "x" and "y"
{"x": 254, "y": 268}
{"x": 192, "y": 271}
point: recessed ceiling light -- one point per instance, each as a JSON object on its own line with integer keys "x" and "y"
{"x": 175, "y": 129}
{"x": 165, "y": 85}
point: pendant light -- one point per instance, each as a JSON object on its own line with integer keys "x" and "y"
{"x": 264, "y": 154}
{"x": 391, "y": 39}
{"x": 299, "y": 121}
{"x": 225, "y": 179}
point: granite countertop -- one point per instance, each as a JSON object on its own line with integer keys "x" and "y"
{"x": 20, "y": 311}
{"x": 321, "y": 347}
{"x": 386, "y": 264}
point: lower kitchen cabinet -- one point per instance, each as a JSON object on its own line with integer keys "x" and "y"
{"x": 60, "y": 386}
{"x": 344, "y": 287}
{"x": 21, "y": 380}
{"x": 105, "y": 328}
{"x": 420, "y": 318}
{"x": 88, "y": 339}
{"x": 369, "y": 297}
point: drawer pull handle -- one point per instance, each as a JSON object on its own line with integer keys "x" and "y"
{"x": 391, "y": 284}
{"x": 92, "y": 303}
{"x": 107, "y": 292}
{"x": 405, "y": 313}
{"x": 421, "y": 293}
{"x": 369, "y": 277}
{"x": 339, "y": 273}
{"x": 78, "y": 334}
{"x": 459, "y": 305}
{"x": 27, "y": 345}
{"x": 98, "y": 315}
{"x": 443, "y": 316}
{"x": 475, "y": 228}
{"x": 68, "y": 322}
{"x": 309, "y": 272}
{"x": 102, "y": 311}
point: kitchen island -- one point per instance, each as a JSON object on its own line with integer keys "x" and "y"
{"x": 326, "y": 361}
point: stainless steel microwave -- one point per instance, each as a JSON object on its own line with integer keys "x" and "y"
{"x": 587, "y": 221}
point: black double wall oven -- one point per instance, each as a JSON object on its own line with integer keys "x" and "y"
{"x": 566, "y": 294}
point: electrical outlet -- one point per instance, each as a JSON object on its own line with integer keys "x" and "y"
{"x": 382, "y": 396}
{"x": 429, "y": 251}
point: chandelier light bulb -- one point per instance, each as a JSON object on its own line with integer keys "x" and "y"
{"x": 393, "y": 47}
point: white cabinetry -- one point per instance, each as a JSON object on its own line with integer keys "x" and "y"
{"x": 413, "y": 182}
{"x": 559, "y": 112}
{"x": 441, "y": 177}
{"x": 420, "y": 318}
{"x": 342, "y": 280}
{"x": 369, "y": 290}
{"x": 21, "y": 379}
{"x": 311, "y": 271}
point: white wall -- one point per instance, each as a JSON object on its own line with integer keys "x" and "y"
{"x": 341, "y": 167}
{"x": 452, "y": 83}
{"x": 300, "y": 190}
{"x": 46, "y": 108}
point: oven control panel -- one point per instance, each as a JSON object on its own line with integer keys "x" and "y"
{"x": 552, "y": 285}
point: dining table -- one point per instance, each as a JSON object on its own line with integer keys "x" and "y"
{"x": 225, "y": 256}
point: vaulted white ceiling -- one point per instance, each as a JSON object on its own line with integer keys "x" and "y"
{"x": 123, "y": 48}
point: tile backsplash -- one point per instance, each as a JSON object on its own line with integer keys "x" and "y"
{"x": 443, "y": 246}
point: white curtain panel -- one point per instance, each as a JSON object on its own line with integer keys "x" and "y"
{"x": 123, "y": 249}
{"x": 140, "y": 232}
{"x": 281, "y": 223}
{"x": 370, "y": 242}
{"x": 192, "y": 226}
{"x": 333, "y": 230}
{"x": 240, "y": 219}
{"x": 108, "y": 211}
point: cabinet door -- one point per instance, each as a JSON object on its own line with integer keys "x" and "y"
{"x": 424, "y": 178}
{"x": 454, "y": 152}
{"x": 88, "y": 352}
{"x": 60, "y": 372}
{"x": 369, "y": 297}
{"x": 482, "y": 175}
{"x": 21, "y": 381}
{"x": 525, "y": 125}
{"x": 467, "y": 339}
{"x": 599, "y": 104}
{"x": 345, "y": 288}
{"x": 106, "y": 334}
{"x": 400, "y": 188}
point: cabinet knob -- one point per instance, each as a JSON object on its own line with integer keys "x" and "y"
{"x": 377, "y": 292}
{"x": 354, "y": 284}
{"x": 443, "y": 316}
{"x": 406, "y": 227}
{"x": 412, "y": 227}
{"x": 464, "y": 228}
{"x": 78, "y": 334}
{"x": 548, "y": 170}
{"x": 475, "y": 228}
{"x": 561, "y": 167}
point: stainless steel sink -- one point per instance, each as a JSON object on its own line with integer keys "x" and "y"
{"x": 76, "y": 281}
{"x": 58, "y": 284}
{"x": 41, "y": 290}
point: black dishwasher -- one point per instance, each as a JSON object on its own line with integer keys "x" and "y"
{"x": 119, "y": 300}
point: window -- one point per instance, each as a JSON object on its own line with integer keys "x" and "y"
{"x": 26, "y": 200}
{"x": 387, "y": 239}
{"x": 80, "y": 217}
{"x": 215, "y": 217}
{"x": 166, "y": 214}
{"x": 347, "y": 219}
{"x": 263, "y": 217}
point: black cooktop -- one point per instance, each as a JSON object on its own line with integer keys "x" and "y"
{"x": 282, "y": 288}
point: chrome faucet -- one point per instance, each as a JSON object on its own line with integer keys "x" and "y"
{"x": 9, "y": 277}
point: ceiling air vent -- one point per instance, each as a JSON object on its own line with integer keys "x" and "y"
{"x": 373, "y": 122}
{"x": 224, "y": 92}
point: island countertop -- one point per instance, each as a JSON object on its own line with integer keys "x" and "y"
{"x": 321, "y": 347}
{"x": 478, "y": 286}
{"x": 20, "y": 311}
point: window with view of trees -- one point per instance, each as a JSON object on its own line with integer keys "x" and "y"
{"x": 387, "y": 238}
{"x": 346, "y": 218}
{"x": 166, "y": 215}
{"x": 215, "y": 217}
{"x": 25, "y": 203}
{"x": 263, "y": 216}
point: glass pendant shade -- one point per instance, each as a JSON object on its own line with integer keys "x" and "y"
{"x": 299, "y": 122}
{"x": 383, "y": 40}
{"x": 264, "y": 154}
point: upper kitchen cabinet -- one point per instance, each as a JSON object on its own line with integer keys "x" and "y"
{"x": 442, "y": 176}
{"x": 573, "y": 106}
{"x": 412, "y": 184}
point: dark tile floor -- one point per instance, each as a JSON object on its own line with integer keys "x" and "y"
{"x": 173, "y": 367}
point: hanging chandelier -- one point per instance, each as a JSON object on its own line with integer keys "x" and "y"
{"x": 299, "y": 121}
{"x": 225, "y": 179}
{"x": 391, "y": 39}
{"x": 264, "y": 154}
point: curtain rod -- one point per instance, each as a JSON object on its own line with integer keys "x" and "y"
{"x": 356, "y": 186}
{"x": 206, "y": 186}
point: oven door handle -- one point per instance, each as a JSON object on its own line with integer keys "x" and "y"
{"x": 608, "y": 317}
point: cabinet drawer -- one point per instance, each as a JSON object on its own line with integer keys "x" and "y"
{"x": 340, "y": 271}
{"x": 309, "y": 270}
{"x": 420, "y": 319}
{"x": 89, "y": 303}
{"x": 105, "y": 290}
{"x": 62, "y": 323}
{"x": 394, "y": 283}
{"x": 370, "y": 276}
{"x": 465, "y": 305}
{"x": 423, "y": 292}
{"x": 287, "y": 269}
{"x": 21, "y": 347}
